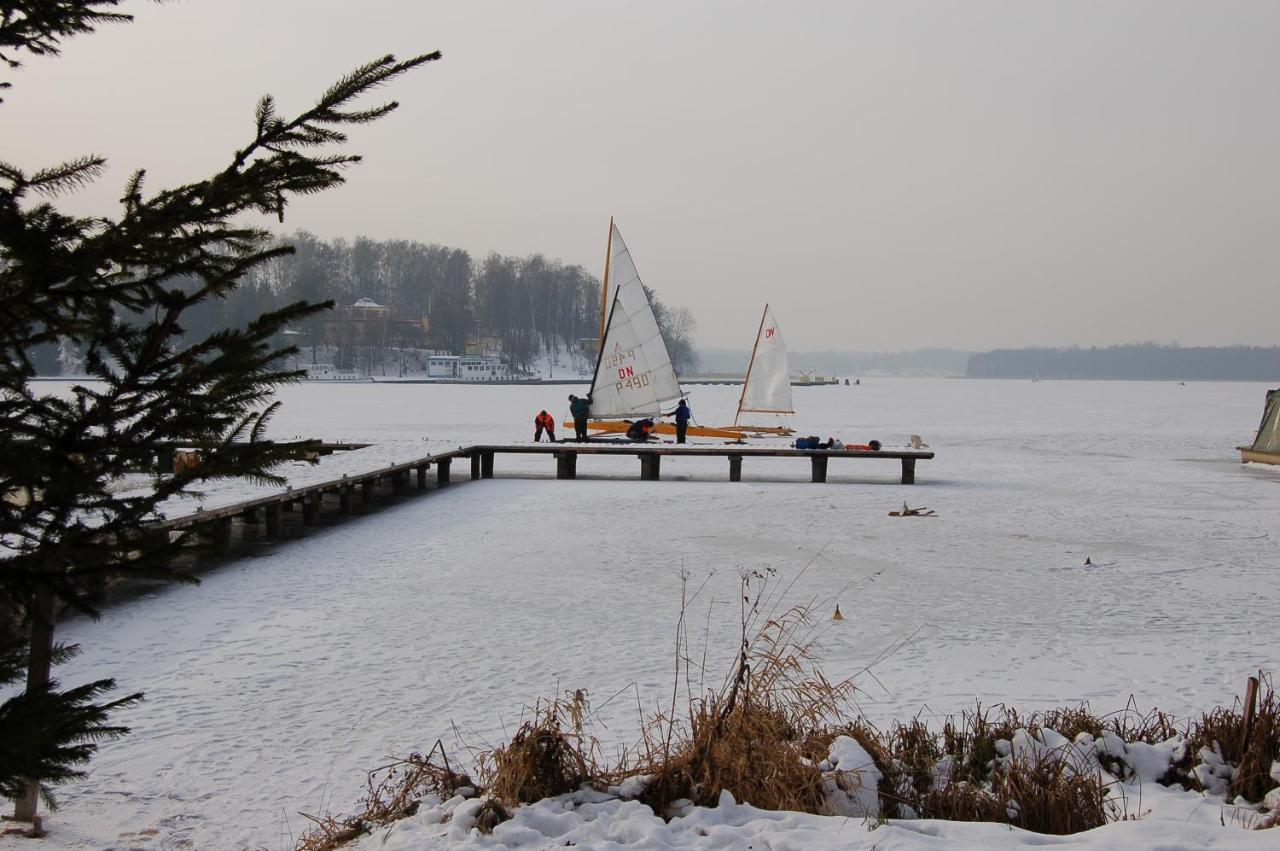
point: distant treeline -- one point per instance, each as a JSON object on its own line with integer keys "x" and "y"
{"x": 528, "y": 305}
{"x": 1141, "y": 361}
{"x": 931, "y": 362}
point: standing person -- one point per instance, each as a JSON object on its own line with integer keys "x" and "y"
{"x": 682, "y": 415}
{"x": 544, "y": 422}
{"x": 580, "y": 409}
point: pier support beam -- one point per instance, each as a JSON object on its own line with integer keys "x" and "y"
{"x": 486, "y": 465}
{"x": 398, "y": 481}
{"x": 735, "y": 468}
{"x": 908, "y": 471}
{"x": 309, "y": 510}
{"x": 273, "y": 520}
{"x": 442, "y": 472}
{"x": 221, "y": 532}
{"x": 819, "y": 468}
{"x": 249, "y": 515}
{"x": 566, "y": 465}
{"x": 475, "y": 466}
{"x": 345, "y": 500}
{"x": 366, "y": 491}
{"x": 422, "y": 477}
{"x": 650, "y": 467}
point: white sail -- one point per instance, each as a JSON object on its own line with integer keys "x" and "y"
{"x": 634, "y": 376}
{"x": 768, "y": 385}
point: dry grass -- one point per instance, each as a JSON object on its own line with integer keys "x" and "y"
{"x": 1044, "y": 795}
{"x": 544, "y": 759}
{"x": 763, "y": 733}
{"x": 1251, "y": 754}
{"x": 394, "y": 791}
{"x": 754, "y": 737}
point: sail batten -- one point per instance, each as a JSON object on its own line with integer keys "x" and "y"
{"x": 768, "y": 384}
{"x": 634, "y": 375}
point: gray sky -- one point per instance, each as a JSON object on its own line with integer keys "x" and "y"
{"x": 888, "y": 175}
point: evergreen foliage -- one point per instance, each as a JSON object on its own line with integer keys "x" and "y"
{"x": 48, "y": 734}
{"x": 120, "y": 290}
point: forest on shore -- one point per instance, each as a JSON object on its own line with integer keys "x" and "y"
{"x": 438, "y": 297}
{"x": 1140, "y": 361}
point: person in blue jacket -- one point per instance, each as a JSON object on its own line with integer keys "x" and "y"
{"x": 682, "y": 415}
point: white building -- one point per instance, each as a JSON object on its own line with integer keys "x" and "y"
{"x": 468, "y": 368}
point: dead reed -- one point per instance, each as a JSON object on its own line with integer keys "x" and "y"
{"x": 548, "y": 756}
{"x": 765, "y": 732}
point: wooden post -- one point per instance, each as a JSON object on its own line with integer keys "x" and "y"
{"x": 486, "y": 465}
{"x": 309, "y": 506}
{"x": 422, "y": 477}
{"x": 345, "y": 501}
{"x": 908, "y": 471}
{"x": 249, "y": 515}
{"x": 398, "y": 481}
{"x": 1250, "y": 709}
{"x": 735, "y": 468}
{"x": 366, "y": 491}
{"x": 273, "y": 520}
{"x": 819, "y": 468}
{"x": 475, "y": 466}
{"x": 650, "y": 467}
{"x": 442, "y": 472}
{"x": 566, "y": 465}
{"x": 221, "y": 530}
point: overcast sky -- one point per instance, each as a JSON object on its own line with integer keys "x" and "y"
{"x": 888, "y": 175}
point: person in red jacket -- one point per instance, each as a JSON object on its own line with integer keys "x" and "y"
{"x": 544, "y": 422}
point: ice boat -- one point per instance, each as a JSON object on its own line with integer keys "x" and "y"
{"x": 634, "y": 377}
{"x": 1266, "y": 446}
{"x": 767, "y": 387}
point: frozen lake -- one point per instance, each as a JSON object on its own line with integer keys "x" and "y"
{"x": 275, "y": 684}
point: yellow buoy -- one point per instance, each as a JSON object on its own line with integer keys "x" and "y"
{"x": 837, "y": 616}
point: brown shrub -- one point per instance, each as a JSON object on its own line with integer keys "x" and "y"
{"x": 760, "y": 736}
{"x": 543, "y": 760}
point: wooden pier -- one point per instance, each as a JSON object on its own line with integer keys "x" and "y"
{"x": 349, "y": 490}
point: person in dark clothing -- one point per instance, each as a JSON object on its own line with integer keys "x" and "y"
{"x": 544, "y": 422}
{"x": 640, "y": 430}
{"x": 682, "y": 415}
{"x": 580, "y": 409}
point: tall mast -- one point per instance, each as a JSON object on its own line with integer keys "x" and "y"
{"x": 604, "y": 287}
{"x": 752, "y": 363}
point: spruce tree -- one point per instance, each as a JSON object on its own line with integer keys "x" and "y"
{"x": 117, "y": 288}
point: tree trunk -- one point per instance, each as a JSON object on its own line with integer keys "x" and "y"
{"x": 39, "y": 662}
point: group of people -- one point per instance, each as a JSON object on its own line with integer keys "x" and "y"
{"x": 580, "y": 409}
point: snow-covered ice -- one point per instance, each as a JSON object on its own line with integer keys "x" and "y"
{"x": 275, "y": 684}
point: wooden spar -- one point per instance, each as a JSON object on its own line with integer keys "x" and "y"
{"x": 751, "y": 363}
{"x": 604, "y": 287}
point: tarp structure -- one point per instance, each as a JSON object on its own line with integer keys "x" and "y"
{"x": 1268, "y": 439}
{"x": 634, "y": 376}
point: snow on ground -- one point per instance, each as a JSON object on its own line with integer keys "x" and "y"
{"x": 275, "y": 684}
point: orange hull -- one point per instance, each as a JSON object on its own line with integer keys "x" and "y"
{"x": 620, "y": 427}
